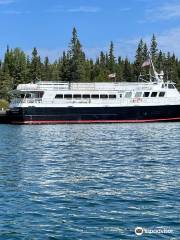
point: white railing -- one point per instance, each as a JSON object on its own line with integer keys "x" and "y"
{"x": 118, "y": 101}
{"x": 26, "y": 100}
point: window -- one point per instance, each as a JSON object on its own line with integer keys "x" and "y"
{"x": 128, "y": 94}
{"x": 77, "y": 96}
{"x": 162, "y": 85}
{"x": 154, "y": 94}
{"x": 121, "y": 95}
{"x": 138, "y": 94}
{"x": 104, "y": 96}
{"x": 112, "y": 96}
{"x": 161, "y": 94}
{"x": 68, "y": 96}
{"x": 39, "y": 94}
{"x": 95, "y": 96}
{"x": 28, "y": 95}
{"x": 171, "y": 86}
{"x": 86, "y": 96}
{"x": 59, "y": 96}
{"x": 146, "y": 94}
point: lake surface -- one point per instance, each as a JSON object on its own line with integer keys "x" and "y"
{"x": 89, "y": 181}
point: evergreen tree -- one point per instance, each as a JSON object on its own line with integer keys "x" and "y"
{"x": 36, "y": 66}
{"x": 168, "y": 66}
{"x": 139, "y": 59}
{"x": 46, "y": 73}
{"x": 6, "y": 84}
{"x": 111, "y": 59}
{"x": 119, "y": 69}
{"x": 127, "y": 73}
{"x": 102, "y": 60}
{"x": 160, "y": 61}
{"x": 19, "y": 69}
{"x": 174, "y": 69}
{"x": 64, "y": 70}
{"x": 77, "y": 59}
{"x": 145, "y": 53}
{"x": 154, "y": 49}
{"x": 73, "y": 65}
{"x": 55, "y": 70}
{"x": 14, "y": 66}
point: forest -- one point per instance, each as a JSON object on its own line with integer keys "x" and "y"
{"x": 17, "y": 67}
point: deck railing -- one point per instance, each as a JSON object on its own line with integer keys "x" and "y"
{"x": 119, "y": 101}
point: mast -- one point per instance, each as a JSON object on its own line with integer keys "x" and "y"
{"x": 154, "y": 70}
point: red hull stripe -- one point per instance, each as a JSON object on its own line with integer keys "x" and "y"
{"x": 93, "y": 121}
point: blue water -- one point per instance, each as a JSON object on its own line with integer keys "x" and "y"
{"x": 89, "y": 181}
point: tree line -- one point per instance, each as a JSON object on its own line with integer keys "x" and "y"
{"x": 17, "y": 67}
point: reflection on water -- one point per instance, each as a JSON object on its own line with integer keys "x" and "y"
{"x": 89, "y": 181}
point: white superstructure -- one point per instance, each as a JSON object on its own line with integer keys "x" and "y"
{"x": 60, "y": 94}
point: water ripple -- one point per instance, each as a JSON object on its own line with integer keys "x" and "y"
{"x": 89, "y": 181}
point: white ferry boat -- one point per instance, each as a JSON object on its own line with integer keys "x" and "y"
{"x": 154, "y": 100}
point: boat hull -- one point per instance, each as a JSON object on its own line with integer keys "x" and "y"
{"x": 53, "y": 115}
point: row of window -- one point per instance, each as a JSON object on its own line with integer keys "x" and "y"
{"x": 85, "y": 96}
{"x": 170, "y": 86}
{"x": 148, "y": 94}
{"x": 109, "y": 96}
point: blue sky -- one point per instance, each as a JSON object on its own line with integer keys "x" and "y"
{"x": 47, "y": 24}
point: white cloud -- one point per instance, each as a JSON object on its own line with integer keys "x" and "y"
{"x": 6, "y": 2}
{"x": 168, "y": 41}
{"x": 124, "y": 9}
{"x": 14, "y": 12}
{"x": 84, "y": 9}
{"x": 81, "y": 9}
{"x": 165, "y": 12}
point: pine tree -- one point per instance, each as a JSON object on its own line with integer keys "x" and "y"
{"x": 14, "y": 66}
{"x": 102, "y": 60}
{"x": 8, "y": 61}
{"x": 154, "y": 50}
{"x": 36, "y": 66}
{"x": 77, "y": 59}
{"x": 119, "y": 69}
{"x": 89, "y": 70}
{"x": 55, "y": 70}
{"x": 139, "y": 58}
{"x": 46, "y": 73}
{"x": 19, "y": 70}
{"x": 73, "y": 65}
{"x": 64, "y": 70}
{"x": 174, "y": 68}
{"x": 160, "y": 61}
{"x": 127, "y": 73}
{"x": 6, "y": 84}
{"x": 111, "y": 59}
{"x": 145, "y": 53}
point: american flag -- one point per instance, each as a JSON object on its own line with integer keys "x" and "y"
{"x": 112, "y": 75}
{"x": 146, "y": 63}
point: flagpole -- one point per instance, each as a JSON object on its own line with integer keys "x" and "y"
{"x": 154, "y": 71}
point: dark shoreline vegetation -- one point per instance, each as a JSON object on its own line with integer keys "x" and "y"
{"x": 74, "y": 66}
